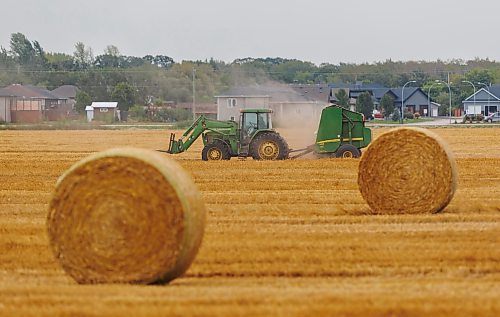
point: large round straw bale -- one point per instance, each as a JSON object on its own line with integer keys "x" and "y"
{"x": 407, "y": 171}
{"x": 125, "y": 216}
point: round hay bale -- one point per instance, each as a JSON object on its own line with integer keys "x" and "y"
{"x": 125, "y": 216}
{"x": 407, "y": 171}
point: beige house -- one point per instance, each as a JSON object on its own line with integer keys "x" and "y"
{"x": 297, "y": 112}
{"x": 287, "y": 103}
{"x": 230, "y": 104}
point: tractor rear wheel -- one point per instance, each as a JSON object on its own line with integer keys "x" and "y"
{"x": 269, "y": 146}
{"x": 215, "y": 151}
{"x": 348, "y": 151}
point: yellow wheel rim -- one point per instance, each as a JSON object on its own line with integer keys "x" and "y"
{"x": 214, "y": 154}
{"x": 269, "y": 150}
{"x": 347, "y": 154}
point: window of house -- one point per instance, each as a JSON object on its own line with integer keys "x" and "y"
{"x": 103, "y": 109}
{"x": 231, "y": 103}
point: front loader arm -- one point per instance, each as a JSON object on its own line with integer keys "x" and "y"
{"x": 199, "y": 126}
{"x": 192, "y": 133}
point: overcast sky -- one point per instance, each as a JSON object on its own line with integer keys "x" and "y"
{"x": 319, "y": 31}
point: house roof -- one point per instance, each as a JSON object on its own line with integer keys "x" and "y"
{"x": 66, "y": 91}
{"x": 112, "y": 104}
{"x": 493, "y": 91}
{"x": 313, "y": 92}
{"x": 89, "y": 108}
{"x": 29, "y": 91}
{"x": 247, "y": 91}
{"x": 5, "y": 93}
{"x": 276, "y": 92}
{"x": 378, "y": 93}
{"x": 408, "y": 92}
{"x": 356, "y": 86}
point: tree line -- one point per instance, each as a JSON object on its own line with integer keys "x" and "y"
{"x": 112, "y": 75}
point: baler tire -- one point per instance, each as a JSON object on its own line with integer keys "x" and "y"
{"x": 267, "y": 140}
{"x": 216, "y": 151}
{"x": 348, "y": 151}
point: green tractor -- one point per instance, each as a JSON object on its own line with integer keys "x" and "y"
{"x": 341, "y": 133}
{"x": 252, "y": 136}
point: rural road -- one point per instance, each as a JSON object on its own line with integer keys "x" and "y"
{"x": 437, "y": 122}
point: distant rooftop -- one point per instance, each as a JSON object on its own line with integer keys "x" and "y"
{"x": 29, "y": 91}
{"x": 66, "y": 91}
{"x": 104, "y": 104}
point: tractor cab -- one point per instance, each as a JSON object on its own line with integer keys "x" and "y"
{"x": 253, "y": 121}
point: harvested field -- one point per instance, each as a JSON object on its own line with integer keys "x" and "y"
{"x": 291, "y": 238}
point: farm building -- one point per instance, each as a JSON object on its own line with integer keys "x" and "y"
{"x": 103, "y": 111}
{"x": 484, "y": 101}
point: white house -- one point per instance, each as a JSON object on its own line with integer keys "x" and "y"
{"x": 485, "y": 101}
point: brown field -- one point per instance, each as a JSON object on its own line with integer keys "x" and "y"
{"x": 289, "y": 238}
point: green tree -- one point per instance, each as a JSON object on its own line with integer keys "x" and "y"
{"x": 162, "y": 61}
{"x": 83, "y": 56}
{"x": 5, "y": 59}
{"x": 112, "y": 51}
{"x": 21, "y": 49}
{"x": 83, "y": 100}
{"x": 479, "y": 76}
{"x": 108, "y": 61}
{"x": 124, "y": 94}
{"x": 387, "y": 105}
{"x": 364, "y": 104}
{"x": 342, "y": 98}
{"x": 27, "y": 53}
{"x": 60, "y": 61}
{"x": 39, "y": 55}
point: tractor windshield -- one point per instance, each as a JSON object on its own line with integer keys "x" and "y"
{"x": 262, "y": 121}
{"x": 249, "y": 123}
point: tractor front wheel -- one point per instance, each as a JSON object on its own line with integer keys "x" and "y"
{"x": 215, "y": 151}
{"x": 348, "y": 151}
{"x": 269, "y": 146}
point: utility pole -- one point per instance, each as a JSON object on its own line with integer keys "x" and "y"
{"x": 194, "y": 94}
